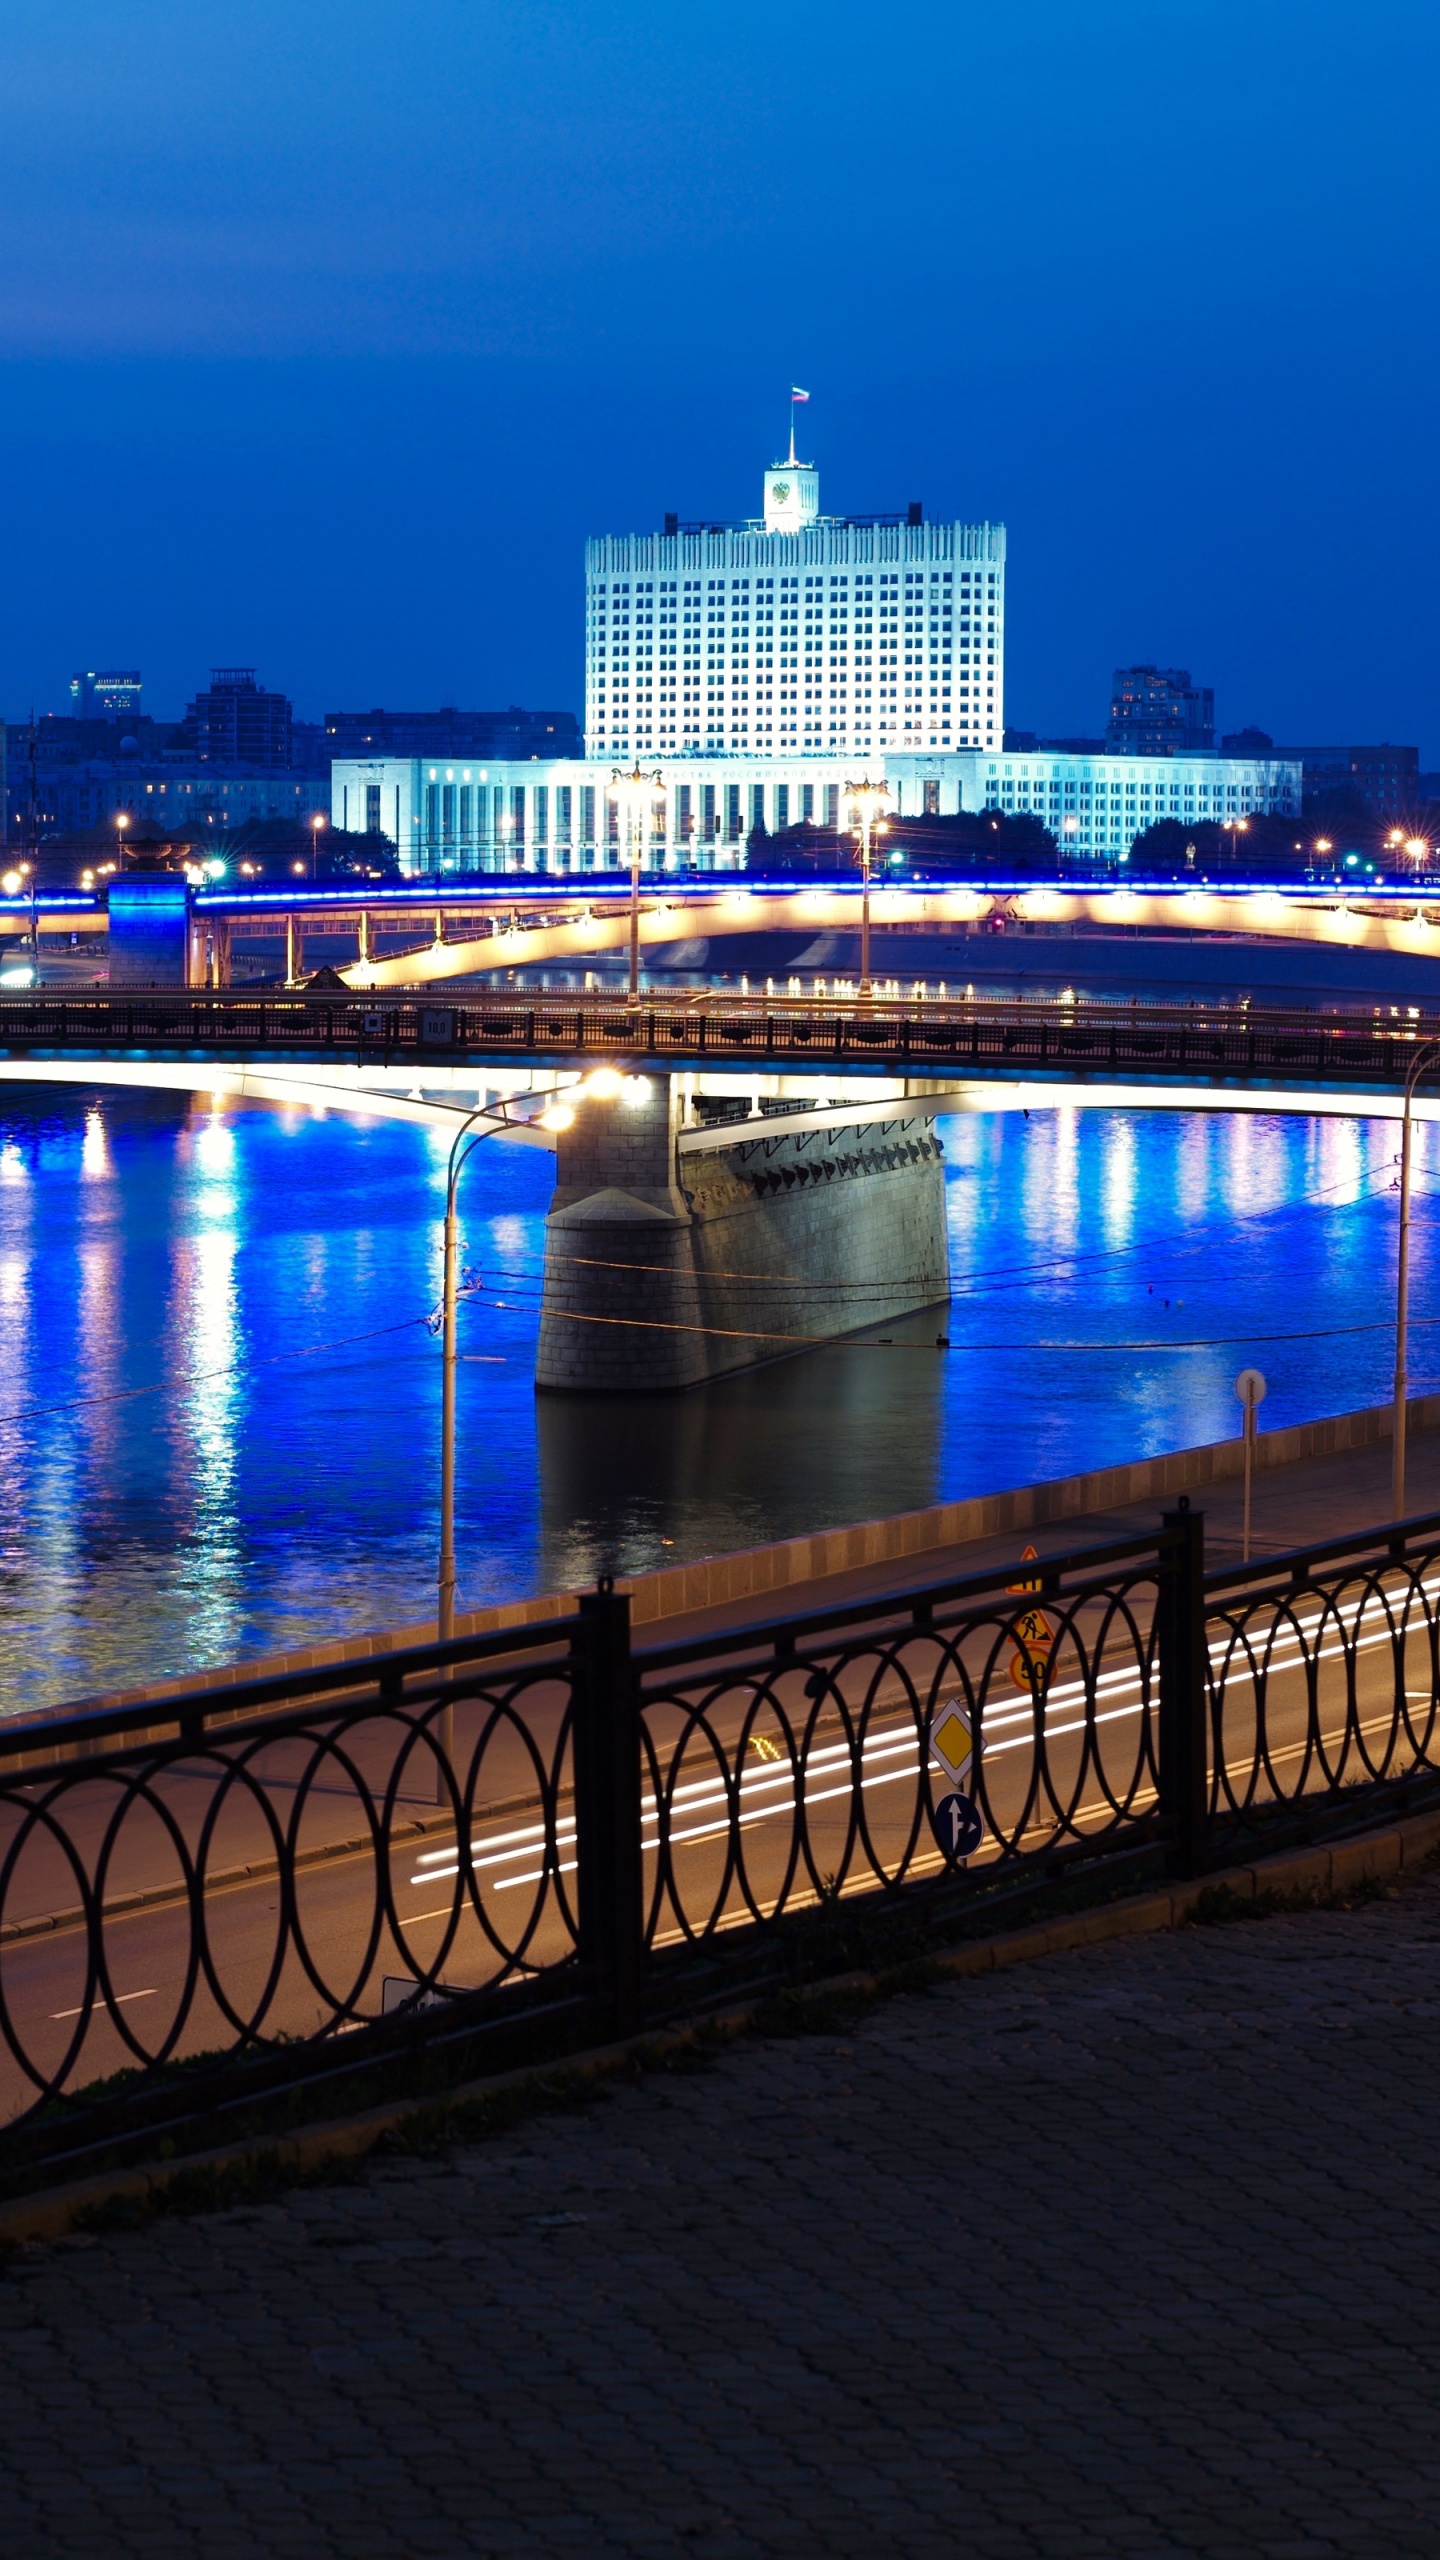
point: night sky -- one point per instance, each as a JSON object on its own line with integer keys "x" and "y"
{"x": 328, "y": 333}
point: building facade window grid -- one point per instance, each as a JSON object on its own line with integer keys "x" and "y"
{"x": 1095, "y": 805}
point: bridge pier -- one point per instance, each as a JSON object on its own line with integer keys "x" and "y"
{"x": 675, "y": 1255}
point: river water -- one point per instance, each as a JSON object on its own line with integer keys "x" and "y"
{"x": 220, "y": 1403}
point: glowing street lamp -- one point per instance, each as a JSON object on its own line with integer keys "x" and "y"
{"x": 636, "y": 794}
{"x": 864, "y": 803}
{"x": 316, "y": 823}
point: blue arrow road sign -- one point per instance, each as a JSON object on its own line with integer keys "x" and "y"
{"x": 958, "y": 1826}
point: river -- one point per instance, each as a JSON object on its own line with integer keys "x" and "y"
{"x": 219, "y": 1415}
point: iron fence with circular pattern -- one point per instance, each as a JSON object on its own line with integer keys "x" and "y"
{"x": 1324, "y": 1672}
{"x": 244, "y": 1874}
{"x": 264, "y": 1868}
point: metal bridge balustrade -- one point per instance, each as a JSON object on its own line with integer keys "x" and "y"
{"x": 972, "y": 1036}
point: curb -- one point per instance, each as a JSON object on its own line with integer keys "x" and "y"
{"x": 51, "y": 2212}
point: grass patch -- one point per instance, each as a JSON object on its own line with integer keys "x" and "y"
{"x": 1219, "y": 1904}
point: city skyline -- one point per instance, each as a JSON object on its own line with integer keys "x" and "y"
{"x": 315, "y": 383}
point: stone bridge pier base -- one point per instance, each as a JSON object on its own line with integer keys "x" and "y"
{"x": 673, "y": 1256}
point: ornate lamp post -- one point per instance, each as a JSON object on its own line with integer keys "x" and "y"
{"x": 865, "y": 802}
{"x": 636, "y": 793}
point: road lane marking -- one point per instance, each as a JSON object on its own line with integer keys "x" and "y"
{"x": 117, "y": 2002}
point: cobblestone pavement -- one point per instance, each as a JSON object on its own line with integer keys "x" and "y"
{"x": 1132, "y": 2251}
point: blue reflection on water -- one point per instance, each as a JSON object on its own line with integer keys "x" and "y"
{"x": 215, "y": 1320}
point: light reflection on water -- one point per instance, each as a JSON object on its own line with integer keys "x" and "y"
{"x": 237, "y": 1297}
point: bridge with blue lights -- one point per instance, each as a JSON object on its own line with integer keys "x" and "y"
{"x": 457, "y": 929}
{"x": 413, "y": 1056}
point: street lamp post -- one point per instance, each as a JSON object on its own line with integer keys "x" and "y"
{"x": 460, "y": 1154}
{"x": 316, "y": 823}
{"x": 467, "y": 1138}
{"x": 865, "y": 801}
{"x": 635, "y": 792}
{"x": 1424, "y": 1058}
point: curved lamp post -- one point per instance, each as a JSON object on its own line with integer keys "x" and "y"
{"x": 1425, "y": 1057}
{"x": 866, "y": 802}
{"x": 467, "y": 1138}
{"x": 636, "y": 792}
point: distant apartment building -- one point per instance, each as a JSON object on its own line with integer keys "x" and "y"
{"x": 235, "y": 722}
{"x": 512, "y": 733}
{"x": 73, "y": 797}
{"x": 1386, "y": 778}
{"x": 239, "y": 753}
{"x": 112, "y": 696}
{"x": 1157, "y": 711}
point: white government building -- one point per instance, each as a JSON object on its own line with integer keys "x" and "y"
{"x": 759, "y": 668}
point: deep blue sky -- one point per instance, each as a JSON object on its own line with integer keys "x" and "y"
{"x": 327, "y": 333}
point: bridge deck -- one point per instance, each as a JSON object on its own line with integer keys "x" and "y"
{"x": 915, "y": 1036}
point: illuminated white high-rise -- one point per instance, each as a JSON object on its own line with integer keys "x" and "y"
{"x": 796, "y": 633}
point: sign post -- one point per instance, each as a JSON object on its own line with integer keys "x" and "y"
{"x": 1250, "y": 1388}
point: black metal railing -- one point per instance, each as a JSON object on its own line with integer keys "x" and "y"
{"x": 972, "y": 1037}
{"x": 1323, "y": 1672}
{"x": 238, "y": 1867}
{"x": 252, "y": 1872}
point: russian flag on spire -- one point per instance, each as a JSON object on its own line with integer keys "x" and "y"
{"x": 798, "y": 395}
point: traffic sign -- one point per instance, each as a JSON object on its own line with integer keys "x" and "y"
{"x": 1250, "y": 1387}
{"x": 951, "y": 1741}
{"x": 958, "y": 1826}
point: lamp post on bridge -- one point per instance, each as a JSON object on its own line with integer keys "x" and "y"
{"x": 636, "y": 793}
{"x": 467, "y": 1138}
{"x": 1425, "y": 1057}
{"x": 865, "y": 802}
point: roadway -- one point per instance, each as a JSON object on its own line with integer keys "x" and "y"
{"x": 842, "y": 1059}
{"x": 1088, "y": 1761}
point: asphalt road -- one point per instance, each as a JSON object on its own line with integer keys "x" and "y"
{"x": 339, "y": 1949}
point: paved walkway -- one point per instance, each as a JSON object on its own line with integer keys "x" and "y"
{"x": 1130, "y": 2252}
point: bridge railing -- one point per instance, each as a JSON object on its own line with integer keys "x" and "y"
{"x": 279, "y": 1878}
{"x": 965, "y": 1036}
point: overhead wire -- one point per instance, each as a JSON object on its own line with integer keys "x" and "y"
{"x": 28, "y": 1414}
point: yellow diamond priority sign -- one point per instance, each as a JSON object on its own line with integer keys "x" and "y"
{"x": 951, "y": 1741}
